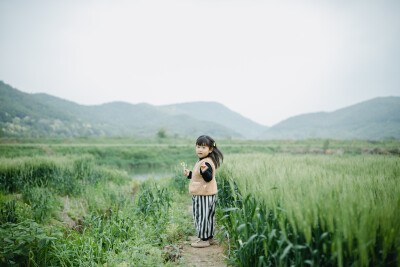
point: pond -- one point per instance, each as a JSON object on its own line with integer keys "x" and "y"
{"x": 144, "y": 173}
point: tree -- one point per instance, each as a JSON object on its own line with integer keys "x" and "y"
{"x": 162, "y": 133}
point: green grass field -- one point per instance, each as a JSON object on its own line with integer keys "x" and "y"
{"x": 128, "y": 154}
{"x": 70, "y": 202}
{"x": 345, "y": 208}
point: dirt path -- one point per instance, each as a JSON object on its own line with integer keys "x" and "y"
{"x": 209, "y": 256}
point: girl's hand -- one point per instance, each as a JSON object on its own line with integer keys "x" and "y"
{"x": 186, "y": 172}
{"x": 204, "y": 168}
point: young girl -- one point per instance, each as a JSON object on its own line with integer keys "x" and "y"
{"x": 203, "y": 188}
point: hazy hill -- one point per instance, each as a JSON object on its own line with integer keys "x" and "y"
{"x": 143, "y": 120}
{"x": 218, "y": 113}
{"x": 22, "y": 115}
{"x": 43, "y": 115}
{"x": 34, "y": 115}
{"x": 377, "y": 118}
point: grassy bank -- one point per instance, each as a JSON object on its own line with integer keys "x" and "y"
{"x": 67, "y": 211}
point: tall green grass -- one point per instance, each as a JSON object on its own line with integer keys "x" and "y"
{"x": 344, "y": 209}
{"x": 66, "y": 175}
{"x": 116, "y": 221}
{"x": 36, "y": 182}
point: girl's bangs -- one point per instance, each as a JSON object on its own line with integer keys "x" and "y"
{"x": 202, "y": 140}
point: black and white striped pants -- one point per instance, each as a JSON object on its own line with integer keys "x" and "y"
{"x": 203, "y": 215}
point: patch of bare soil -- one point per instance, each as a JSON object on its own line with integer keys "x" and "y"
{"x": 208, "y": 256}
{"x": 64, "y": 214}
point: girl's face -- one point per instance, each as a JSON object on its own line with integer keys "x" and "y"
{"x": 203, "y": 150}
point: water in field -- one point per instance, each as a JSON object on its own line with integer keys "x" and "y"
{"x": 144, "y": 173}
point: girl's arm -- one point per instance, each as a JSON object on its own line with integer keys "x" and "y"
{"x": 206, "y": 172}
{"x": 187, "y": 173}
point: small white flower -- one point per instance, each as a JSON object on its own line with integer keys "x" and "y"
{"x": 183, "y": 164}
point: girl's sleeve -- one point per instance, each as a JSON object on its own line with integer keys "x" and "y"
{"x": 208, "y": 174}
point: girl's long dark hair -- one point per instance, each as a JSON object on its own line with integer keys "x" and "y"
{"x": 216, "y": 155}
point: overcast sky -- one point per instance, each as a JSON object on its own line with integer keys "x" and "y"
{"x": 268, "y": 60}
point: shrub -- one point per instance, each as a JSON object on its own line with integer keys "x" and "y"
{"x": 26, "y": 242}
{"x": 153, "y": 200}
{"x": 14, "y": 211}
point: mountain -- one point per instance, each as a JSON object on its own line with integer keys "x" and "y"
{"x": 121, "y": 118}
{"x": 35, "y": 115}
{"x": 378, "y": 118}
{"x": 22, "y": 115}
{"x": 43, "y": 115}
{"x": 218, "y": 113}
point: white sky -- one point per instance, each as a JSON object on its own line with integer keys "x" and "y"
{"x": 268, "y": 60}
